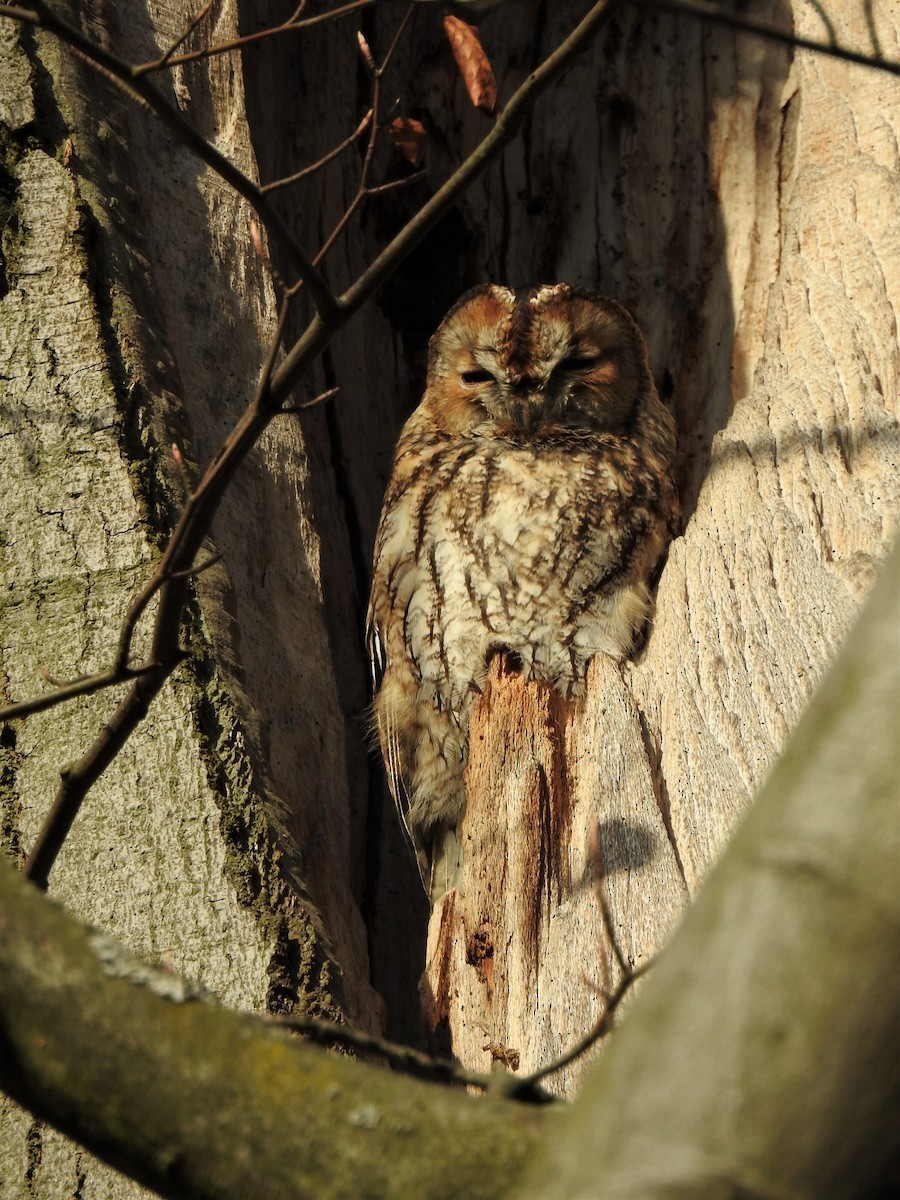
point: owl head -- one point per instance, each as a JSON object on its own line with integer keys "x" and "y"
{"x": 529, "y": 362}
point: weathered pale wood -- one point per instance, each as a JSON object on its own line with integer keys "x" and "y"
{"x": 519, "y": 959}
{"x": 797, "y": 506}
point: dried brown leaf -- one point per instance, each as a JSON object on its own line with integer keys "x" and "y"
{"x": 408, "y": 136}
{"x": 472, "y": 62}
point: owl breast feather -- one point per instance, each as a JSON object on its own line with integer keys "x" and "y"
{"x": 528, "y": 550}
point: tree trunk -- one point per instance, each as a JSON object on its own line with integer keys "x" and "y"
{"x": 743, "y": 204}
{"x": 785, "y": 257}
{"x": 135, "y": 316}
{"x": 784, "y": 972}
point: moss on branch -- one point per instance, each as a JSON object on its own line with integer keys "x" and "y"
{"x": 195, "y": 1100}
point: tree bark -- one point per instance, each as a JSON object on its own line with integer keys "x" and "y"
{"x": 742, "y": 202}
{"x": 786, "y": 261}
{"x": 135, "y": 316}
{"x": 759, "y": 1059}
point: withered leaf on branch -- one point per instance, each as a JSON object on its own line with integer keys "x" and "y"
{"x": 473, "y": 63}
{"x": 408, "y": 136}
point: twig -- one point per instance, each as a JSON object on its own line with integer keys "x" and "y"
{"x": 317, "y": 166}
{"x": 313, "y": 403}
{"x": 291, "y": 25}
{"x": 394, "y": 184}
{"x": 527, "y": 1083}
{"x": 733, "y": 20}
{"x": 363, "y": 190}
{"x": 84, "y": 685}
{"x": 192, "y": 572}
{"x": 397, "y": 36}
{"x": 133, "y": 615}
{"x": 195, "y": 21}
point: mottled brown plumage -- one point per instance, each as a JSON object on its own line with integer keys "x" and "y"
{"x": 530, "y": 500}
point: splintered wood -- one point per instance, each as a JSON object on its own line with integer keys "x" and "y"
{"x": 518, "y": 962}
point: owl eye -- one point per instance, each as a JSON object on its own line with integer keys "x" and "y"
{"x": 581, "y": 362}
{"x": 476, "y": 376}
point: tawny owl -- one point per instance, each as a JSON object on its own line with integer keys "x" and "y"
{"x": 530, "y": 500}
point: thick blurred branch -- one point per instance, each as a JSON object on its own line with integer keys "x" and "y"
{"x": 195, "y": 1101}
{"x": 759, "y": 1058}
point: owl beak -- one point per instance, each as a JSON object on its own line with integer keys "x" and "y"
{"x": 527, "y": 410}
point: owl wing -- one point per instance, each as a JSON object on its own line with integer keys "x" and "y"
{"x": 385, "y": 720}
{"x": 392, "y": 751}
{"x": 376, "y": 652}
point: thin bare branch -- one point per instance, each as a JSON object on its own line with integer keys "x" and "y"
{"x": 322, "y": 162}
{"x": 84, "y": 685}
{"x": 527, "y": 1083}
{"x": 193, "y": 572}
{"x": 291, "y": 25}
{"x": 313, "y": 403}
{"x": 396, "y": 39}
{"x": 364, "y": 190}
{"x": 339, "y": 227}
{"x": 133, "y": 615}
{"x": 394, "y": 185}
{"x": 143, "y": 598}
{"x": 195, "y": 21}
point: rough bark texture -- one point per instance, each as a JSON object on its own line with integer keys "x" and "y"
{"x": 134, "y": 315}
{"x": 784, "y": 256}
{"x": 743, "y": 204}
{"x": 759, "y": 1060}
